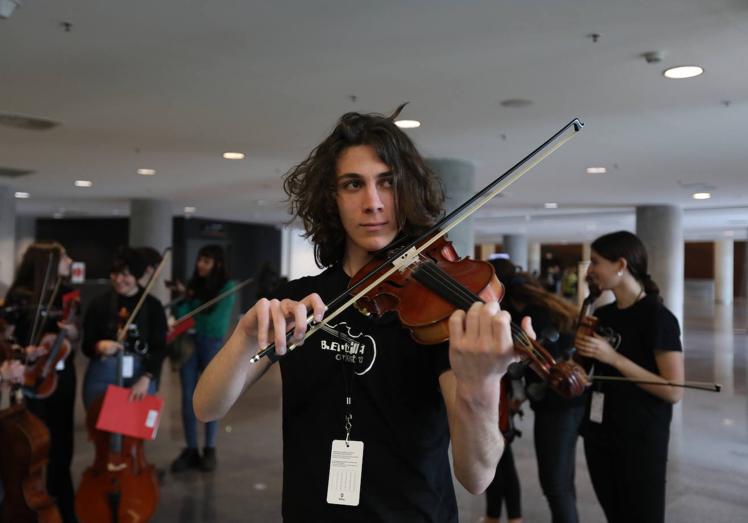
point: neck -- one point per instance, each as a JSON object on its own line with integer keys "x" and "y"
{"x": 628, "y": 292}
{"x": 354, "y": 260}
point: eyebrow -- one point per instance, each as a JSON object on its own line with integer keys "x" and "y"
{"x": 354, "y": 176}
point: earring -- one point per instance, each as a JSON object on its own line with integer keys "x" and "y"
{"x": 620, "y": 273}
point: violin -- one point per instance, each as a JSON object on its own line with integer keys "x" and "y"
{"x": 121, "y": 486}
{"x": 23, "y": 458}
{"x": 587, "y": 325}
{"x": 41, "y": 377}
{"x": 426, "y": 293}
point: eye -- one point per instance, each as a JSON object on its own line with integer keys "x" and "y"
{"x": 387, "y": 183}
{"x": 351, "y": 184}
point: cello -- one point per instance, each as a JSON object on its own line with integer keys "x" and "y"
{"x": 120, "y": 486}
{"x": 23, "y": 457}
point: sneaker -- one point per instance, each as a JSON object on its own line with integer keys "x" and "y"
{"x": 208, "y": 461}
{"x": 188, "y": 459}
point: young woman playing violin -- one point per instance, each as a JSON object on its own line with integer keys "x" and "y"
{"x": 209, "y": 279}
{"x": 627, "y": 428}
{"x": 30, "y": 303}
{"x": 362, "y": 385}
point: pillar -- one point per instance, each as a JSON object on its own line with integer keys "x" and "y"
{"x": 515, "y": 245}
{"x": 151, "y": 226}
{"x": 723, "y": 270}
{"x": 458, "y": 181}
{"x": 660, "y": 228}
{"x": 7, "y": 237}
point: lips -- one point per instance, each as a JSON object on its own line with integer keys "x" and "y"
{"x": 374, "y": 226}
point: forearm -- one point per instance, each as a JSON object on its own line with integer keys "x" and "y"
{"x": 631, "y": 370}
{"x": 227, "y": 375}
{"x": 477, "y": 444}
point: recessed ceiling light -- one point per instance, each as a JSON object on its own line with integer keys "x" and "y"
{"x": 683, "y": 71}
{"x": 233, "y": 156}
{"x": 551, "y": 205}
{"x": 701, "y": 195}
{"x": 596, "y": 170}
{"x": 21, "y": 195}
{"x": 83, "y": 183}
{"x": 516, "y": 102}
{"x": 146, "y": 172}
{"x": 57, "y": 215}
{"x": 729, "y": 233}
{"x": 407, "y": 124}
{"x": 189, "y": 210}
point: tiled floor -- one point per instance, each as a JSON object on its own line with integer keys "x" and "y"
{"x": 708, "y": 470}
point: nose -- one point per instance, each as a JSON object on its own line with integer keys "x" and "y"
{"x": 373, "y": 201}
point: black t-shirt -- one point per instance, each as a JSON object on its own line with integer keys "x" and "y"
{"x": 398, "y": 412}
{"x": 645, "y": 327}
{"x": 101, "y": 319}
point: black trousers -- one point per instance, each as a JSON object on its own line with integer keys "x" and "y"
{"x": 504, "y": 487}
{"x": 56, "y": 412}
{"x": 555, "y": 434}
{"x": 628, "y": 473}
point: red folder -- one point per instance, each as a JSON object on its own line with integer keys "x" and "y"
{"x": 138, "y": 419}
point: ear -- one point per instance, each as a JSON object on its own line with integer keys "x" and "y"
{"x": 622, "y": 264}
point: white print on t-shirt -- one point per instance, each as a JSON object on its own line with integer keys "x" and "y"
{"x": 359, "y": 349}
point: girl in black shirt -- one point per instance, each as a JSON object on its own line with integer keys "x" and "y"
{"x": 56, "y": 410}
{"x": 627, "y": 428}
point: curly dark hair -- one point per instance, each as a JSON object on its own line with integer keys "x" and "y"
{"x": 311, "y": 185}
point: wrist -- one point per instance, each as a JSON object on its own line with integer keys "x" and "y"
{"x": 480, "y": 394}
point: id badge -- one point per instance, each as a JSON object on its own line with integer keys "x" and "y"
{"x": 596, "y": 407}
{"x": 60, "y": 365}
{"x": 344, "y": 483}
{"x": 127, "y": 366}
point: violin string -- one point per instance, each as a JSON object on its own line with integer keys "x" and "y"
{"x": 437, "y": 275}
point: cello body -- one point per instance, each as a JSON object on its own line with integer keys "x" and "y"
{"x": 120, "y": 486}
{"x": 23, "y": 457}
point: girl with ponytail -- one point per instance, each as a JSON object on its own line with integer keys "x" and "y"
{"x": 627, "y": 426}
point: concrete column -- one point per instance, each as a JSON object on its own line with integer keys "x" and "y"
{"x": 723, "y": 270}
{"x": 515, "y": 245}
{"x": 660, "y": 228}
{"x": 458, "y": 180}
{"x": 586, "y": 251}
{"x": 486, "y": 250}
{"x": 151, "y": 226}
{"x": 7, "y": 237}
{"x": 534, "y": 258}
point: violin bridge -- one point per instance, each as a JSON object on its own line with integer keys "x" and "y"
{"x": 405, "y": 260}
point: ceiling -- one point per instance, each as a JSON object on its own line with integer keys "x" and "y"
{"x": 171, "y": 85}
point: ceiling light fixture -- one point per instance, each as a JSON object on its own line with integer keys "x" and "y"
{"x": 189, "y": 210}
{"x": 408, "y": 124}
{"x": 596, "y": 170}
{"x": 147, "y": 172}
{"x": 683, "y": 71}
{"x": 21, "y": 195}
{"x": 551, "y": 205}
{"x": 83, "y": 183}
{"x": 701, "y": 195}
{"x": 233, "y": 156}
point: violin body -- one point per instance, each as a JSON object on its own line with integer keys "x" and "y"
{"x": 23, "y": 458}
{"x": 41, "y": 378}
{"x": 423, "y": 312}
{"x": 120, "y": 486}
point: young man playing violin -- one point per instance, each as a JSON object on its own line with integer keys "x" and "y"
{"x": 361, "y": 392}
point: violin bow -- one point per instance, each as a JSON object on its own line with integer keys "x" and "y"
{"x": 151, "y": 281}
{"x": 699, "y": 385}
{"x": 212, "y": 301}
{"x": 408, "y": 254}
{"x": 37, "y": 316}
